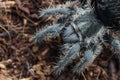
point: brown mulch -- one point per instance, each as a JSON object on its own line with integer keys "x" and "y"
{"x": 21, "y": 59}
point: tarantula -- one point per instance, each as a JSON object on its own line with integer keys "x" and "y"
{"x": 82, "y": 31}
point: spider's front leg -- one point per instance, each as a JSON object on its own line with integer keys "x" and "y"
{"x": 50, "y": 34}
{"x": 64, "y": 9}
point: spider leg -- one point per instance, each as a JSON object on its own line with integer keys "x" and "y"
{"x": 64, "y": 9}
{"x": 116, "y": 45}
{"x": 52, "y": 11}
{"x": 48, "y": 35}
{"x": 70, "y": 51}
{"x": 87, "y": 59}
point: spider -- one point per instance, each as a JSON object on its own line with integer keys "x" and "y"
{"x": 82, "y": 31}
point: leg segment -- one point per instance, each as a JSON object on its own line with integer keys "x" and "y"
{"x": 48, "y": 35}
{"x": 71, "y": 51}
{"x": 115, "y": 44}
{"x": 87, "y": 59}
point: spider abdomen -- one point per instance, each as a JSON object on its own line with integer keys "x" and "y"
{"x": 108, "y": 12}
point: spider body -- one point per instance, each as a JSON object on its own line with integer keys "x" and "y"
{"x": 81, "y": 33}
